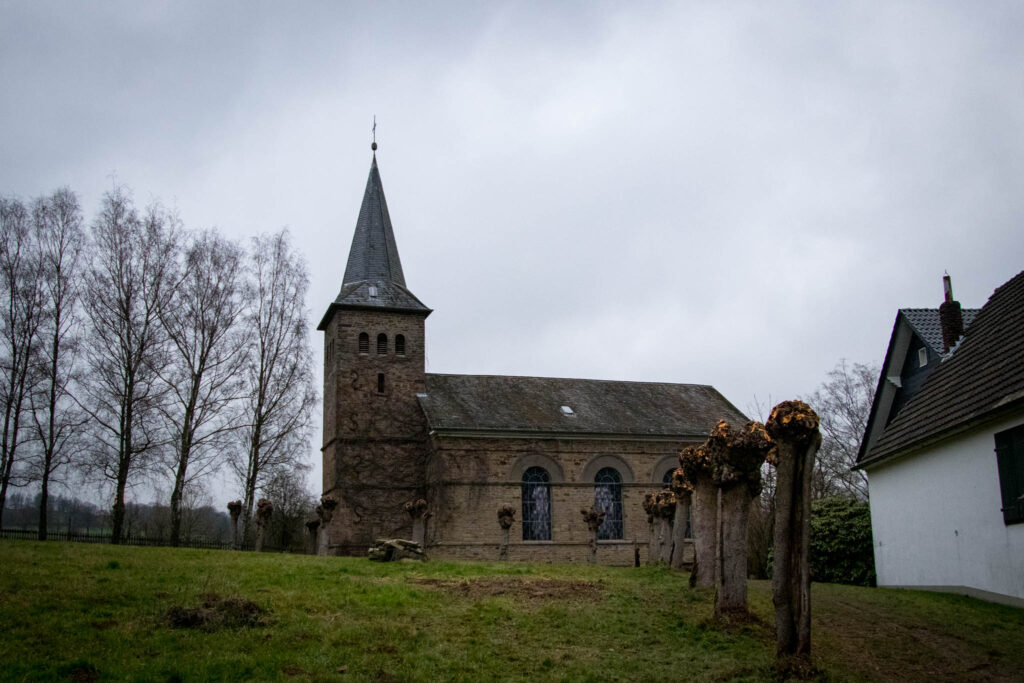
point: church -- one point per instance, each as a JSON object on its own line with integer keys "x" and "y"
{"x": 471, "y": 445}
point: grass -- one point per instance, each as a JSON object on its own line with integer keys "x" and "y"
{"x": 89, "y": 612}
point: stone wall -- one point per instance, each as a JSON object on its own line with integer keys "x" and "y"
{"x": 469, "y": 479}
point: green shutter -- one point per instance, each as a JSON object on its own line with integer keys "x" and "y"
{"x": 1010, "y": 458}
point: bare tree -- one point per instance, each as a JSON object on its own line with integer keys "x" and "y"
{"x": 843, "y": 403}
{"x": 278, "y": 396}
{"x": 19, "y": 324}
{"x": 59, "y": 236}
{"x": 207, "y": 348}
{"x": 127, "y": 284}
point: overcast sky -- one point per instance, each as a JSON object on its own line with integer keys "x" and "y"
{"x": 719, "y": 193}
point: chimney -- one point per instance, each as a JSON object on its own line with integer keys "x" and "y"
{"x": 950, "y": 317}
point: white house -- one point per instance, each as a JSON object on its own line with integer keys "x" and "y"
{"x": 944, "y": 450}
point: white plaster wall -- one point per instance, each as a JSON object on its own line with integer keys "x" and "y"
{"x": 937, "y": 522}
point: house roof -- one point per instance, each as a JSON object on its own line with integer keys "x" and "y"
{"x": 926, "y": 323}
{"x": 373, "y": 274}
{"x": 488, "y": 403}
{"x": 983, "y": 379}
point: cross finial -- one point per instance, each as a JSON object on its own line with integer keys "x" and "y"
{"x": 373, "y": 146}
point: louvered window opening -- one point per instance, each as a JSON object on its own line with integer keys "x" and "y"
{"x": 536, "y": 504}
{"x": 400, "y": 344}
{"x": 608, "y": 497}
{"x": 382, "y": 343}
{"x": 380, "y": 383}
{"x": 364, "y": 342}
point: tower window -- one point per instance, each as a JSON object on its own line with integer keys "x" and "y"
{"x": 400, "y": 344}
{"x": 364, "y": 342}
{"x": 382, "y": 343}
{"x": 380, "y": 382}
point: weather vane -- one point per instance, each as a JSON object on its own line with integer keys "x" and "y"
{"x": 373, "y": 146}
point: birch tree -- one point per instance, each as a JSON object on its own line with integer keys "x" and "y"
{"x": 19, "y": 326}
{"x": 127, "y": 285}
{"x": 207, "y": 346}
{"x": 278, "y": 396}
{"x": 60, "y": 240}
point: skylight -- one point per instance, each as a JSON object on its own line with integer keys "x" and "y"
{"x": 566, "y": 410}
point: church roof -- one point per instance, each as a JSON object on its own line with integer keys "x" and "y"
{"x": 373, "y": 275}
{"x": 537, "y": 405}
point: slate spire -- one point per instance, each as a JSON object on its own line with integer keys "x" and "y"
{"x": 373, "y": 274}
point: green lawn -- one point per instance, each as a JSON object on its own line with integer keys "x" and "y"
{"x": 95, "y": 612}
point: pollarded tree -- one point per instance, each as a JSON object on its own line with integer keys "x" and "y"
{"x": 207, "y": 348}
{"x": 736, "y": 460}
{"x": 683, "y": 491}
{"x": 20, "y": 316}
{"x": 60, "y": 239}
{"x": 794, "y": 430}
{"x": 277, "y": 395}
{"x": 129, "y": 281}
{"x": 696, "y": 465}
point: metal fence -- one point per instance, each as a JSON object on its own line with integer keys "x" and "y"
{"x": 76, "y": 537}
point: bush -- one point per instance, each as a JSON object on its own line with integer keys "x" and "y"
{"x": 841, "y": 544}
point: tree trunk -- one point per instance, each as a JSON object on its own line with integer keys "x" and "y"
{"x": 791, "y": 585}
{"x": 704, "y": 513}
{"x": 44, "y": 493}
{"x": 679, "y": 531}
{"x": 665, "y": 545}
{"x": 503, "y": 549}
{"x": 652, "y": 541}
{"x": 419, "y": 530}
{"x": 732, "y": 549}
{"x": 117, "y": 519}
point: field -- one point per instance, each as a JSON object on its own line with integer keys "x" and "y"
{"x": 89, "y": 612}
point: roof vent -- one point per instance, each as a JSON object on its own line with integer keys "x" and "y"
{"x": 566, "y": 410}
{"x": 373, "y": 290}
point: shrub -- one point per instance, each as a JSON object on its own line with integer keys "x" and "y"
{"x": 841, "y": 545}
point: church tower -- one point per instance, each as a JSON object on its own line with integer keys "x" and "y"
{"x": 375, "y": 437}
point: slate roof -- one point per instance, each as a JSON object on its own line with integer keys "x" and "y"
{"x": 487, "y": 403}
{"x": 373, "y": 274}
{"x": 983, "y": 380}
{"x": 925, "y": 322}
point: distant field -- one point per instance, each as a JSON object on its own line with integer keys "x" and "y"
{"x": 89, "y": 612}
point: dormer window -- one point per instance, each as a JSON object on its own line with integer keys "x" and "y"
{"x": 922, "y": 357}
{"x": 567, "y": 411}
{"x": 373, "y": 291}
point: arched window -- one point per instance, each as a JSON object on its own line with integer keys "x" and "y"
{"x": 382, "y": 343}
{"x": 536, "y": 504}
{"x": 400, "y": 344}
{"x": 608, "y": 497}
{"x": 666, "y": 481}
{"x": 364, "y": 342}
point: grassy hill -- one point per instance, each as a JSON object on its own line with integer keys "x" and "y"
{"x": 93, "y": 612}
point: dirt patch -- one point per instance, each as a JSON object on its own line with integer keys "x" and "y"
{"x": 528, "y": 590}
{"x": 218, "y": 612}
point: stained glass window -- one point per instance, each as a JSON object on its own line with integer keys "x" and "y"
{"x": 536, "y": 504}
{"x": 608, "y": 497}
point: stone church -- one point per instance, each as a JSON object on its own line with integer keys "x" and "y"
{"x": 472, "y": 444}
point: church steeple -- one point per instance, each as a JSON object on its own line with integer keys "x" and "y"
{"x": 373, "y": 274}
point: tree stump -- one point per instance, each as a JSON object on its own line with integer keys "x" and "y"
{"x": 736, "y": 460}
{"x": 417, "y": 510}
{"x": 506, "y": 517}
{"x": 666, "y": 507}
{"x": 683, "y": 491}
{"x": 313, "y": 535}
{"x": 650, "y": 507}
{"x": 696, "y": 466}
{"x": 794, "y": 430}
{"x": 325, "y": 511}
{"x": 234, "y": 509}
{"x": 264, "y": 508}
{"x": 593, "y": 518}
